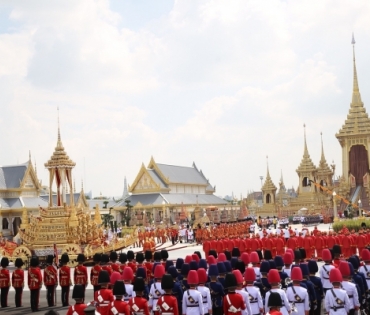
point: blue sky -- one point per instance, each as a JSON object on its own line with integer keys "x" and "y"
{"x": 223, "y": 84}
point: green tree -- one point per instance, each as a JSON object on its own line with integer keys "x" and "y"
{"x": 106, "y": 218}
{"x": 126, "y": 214}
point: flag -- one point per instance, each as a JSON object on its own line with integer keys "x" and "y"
{"x": 56, "y": 255}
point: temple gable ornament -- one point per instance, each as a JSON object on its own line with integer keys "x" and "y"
{"x": 145, "y": 183}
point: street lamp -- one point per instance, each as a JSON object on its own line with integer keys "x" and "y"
{"x": 335, "y": 204}
{"x": 359, "y": 206}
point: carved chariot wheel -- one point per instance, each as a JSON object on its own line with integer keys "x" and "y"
{"x": 72, "y": 250}
{"x": 22, "y": 252}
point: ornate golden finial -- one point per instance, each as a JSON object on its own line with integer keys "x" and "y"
{"x": 29, "y": 156}
{"x": 305, "y": 141}
{"x": 268, "y": 170}
{"x": 59, "y": 139}
{"x": 35, "y": 168}
{"x": 82, "y": 184}
{"x": 356, "y": 97}
{"x": 281, "y": 177}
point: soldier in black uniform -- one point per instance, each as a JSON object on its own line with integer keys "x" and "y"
{"x": 185, "y": 268}
{"x": 316, "y": 281}
{"x": 263, "y": 284}
{"x": 279, "y": 266}
{"x": 177, "y": 289}
{"x": 221, "y": 273}
{"x": 310, "y": 287}
{"x": 216, "y": 289}
{"x": 359, "y": 279}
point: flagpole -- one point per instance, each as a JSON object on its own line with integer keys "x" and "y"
{"x": 57, "y": 264}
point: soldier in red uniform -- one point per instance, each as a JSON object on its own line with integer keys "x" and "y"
{"x": 319, "y": 245}
{"x": 280, "y": 246}
{"x": 50, "y": 280}
{"x": 65, "y": 279}
{"x": 103, "y": 297}
{"x": 4, "y": 281}
{"x": 94, "y": 274}
{"x": 80, "y": 273}
{"x": 78, "y": 295}
{"x": 119, "y": 306}
{"x": 206, "y": 247}
{"x": 34, "y": 283}
{"x": 113, "y": 257}
{"x": 139, "y": 304}
{"x": 233, "y": 302}
{"x": 220, "y": 247}
{"x": 140, "y": 261}
{"x": 148, "y": 264}
{"x": 104, "y": 263}
{"x": 18, "y": 281}
{"x": 347, "y": 246}
{"x": 167, "y": 303}
{"x": 131, "y": 260}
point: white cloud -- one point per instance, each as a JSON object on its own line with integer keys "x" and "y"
{"x": 220, "y": 83}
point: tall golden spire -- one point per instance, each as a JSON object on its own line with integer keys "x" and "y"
{"x": 306, "y": 163}
{"x": 268, "y": 185}
{"x": 305, "y": 150}
{"x": 356, "y": 97}
{"x": 322, "y": 150}
{"x": 323, "y": 165}
{"x": 357, "y": 121}
{"x": 60, "y": 159}
{"x": 59, "y": 143}
{"x": 324, "y": 172}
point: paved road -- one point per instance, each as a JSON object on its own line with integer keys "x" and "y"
{"x": 180, "y": 250}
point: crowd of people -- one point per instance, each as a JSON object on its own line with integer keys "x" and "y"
{"x": 311, "y": 244}
{"x": 240, "y": 275}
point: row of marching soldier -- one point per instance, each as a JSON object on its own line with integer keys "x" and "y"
{"x": 239, "y": 284}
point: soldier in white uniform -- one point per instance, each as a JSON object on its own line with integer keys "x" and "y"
{"x": 297, "y": 294}
{"x": 274, "y": 280}
{"x": 243, "y": 293}
{"x": 255, "y": 297}
{"x": 336, "y": 299}
{"x": 204, "y": 291}
{"x": 156, "y": 291}
{"x": 288, "y": 260}
{"x": 255, "y": 260}
{"x": 349, "y": 287}
{"x": 324, "y": 271}
{"x": 192, "y": 300}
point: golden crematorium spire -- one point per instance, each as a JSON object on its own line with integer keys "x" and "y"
{"x": 306, "y": 165}
{"x": 60, "y": 168}
{"x": 268, "y": 185}
{"x": 324, "y": 172}
{"x": 356, "y": 97}
{"x": 357, "y": 122}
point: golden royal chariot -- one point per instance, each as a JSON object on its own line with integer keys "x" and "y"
{"x": 64, "y": 229}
